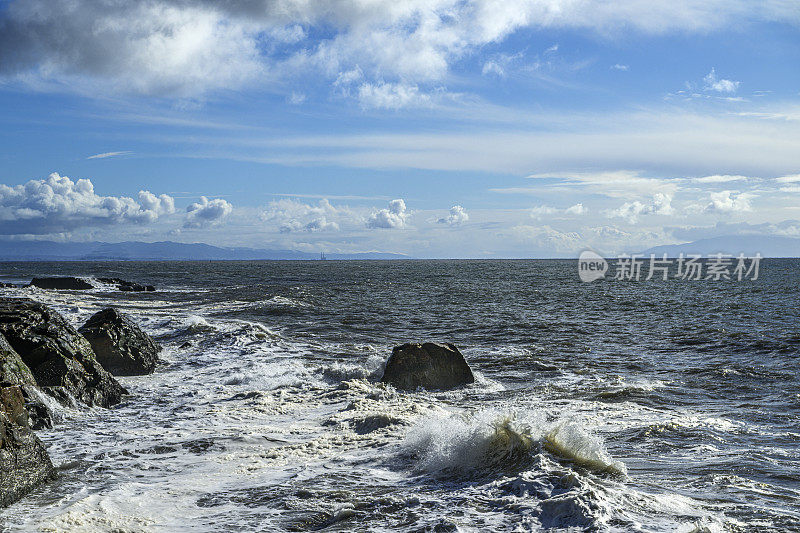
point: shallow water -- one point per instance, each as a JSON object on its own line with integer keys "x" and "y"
{"x": 628, "y": 406}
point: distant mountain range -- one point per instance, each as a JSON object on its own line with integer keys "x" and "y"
{"x": 766, "y": 245}
{"x": 749, "y": 245}
{"x": 155, "y": 251}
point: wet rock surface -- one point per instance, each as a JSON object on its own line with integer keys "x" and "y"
{"x": 429, "y": 365}
{"x": 58, "y": 356}
{"x": 62, "y": 283}
{"x": 24, "y": 463}
{"x": 120, "y": 346}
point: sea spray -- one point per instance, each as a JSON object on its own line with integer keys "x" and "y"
{"x": 466, "y": 444}
{"x": 492, "y": 440}
{"x": 572, "y": 442}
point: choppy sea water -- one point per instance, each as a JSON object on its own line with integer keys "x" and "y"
{"x": 616, "y": 405}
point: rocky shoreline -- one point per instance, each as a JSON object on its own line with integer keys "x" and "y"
{"x": 41, "y": 353}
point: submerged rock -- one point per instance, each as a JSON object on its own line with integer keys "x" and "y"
{"x": 430, "y": 365}
{"x": 24, "y": 463}
{"x": 60, "y": 359}
{"x": 127, "y": 286}
{"x": 63, "y": 283}
{"x": 78, "y": 284}
{"x": 120, "y": 346}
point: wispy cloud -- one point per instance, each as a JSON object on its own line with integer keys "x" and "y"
{"x": 106, "y": 155}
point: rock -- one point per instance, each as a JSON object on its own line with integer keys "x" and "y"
{"x": 24, "y": 463}
{"x": 4, "y": 285}
{"x": 39, "y": 416}
{"x": 60, "y": 359}
{"x": 12, "y": 369}
{"x": 77, "y": 284}
{"x": 15, "y": 372}
{"x": 120, "y": 346}
{"x": 63, "y": 283}
{"x": 430, "y": 365}
{"x": 12, "y": 403}
{"x": 127, "y": 286}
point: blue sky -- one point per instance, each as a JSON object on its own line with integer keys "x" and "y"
{"x": 506, "y": 128}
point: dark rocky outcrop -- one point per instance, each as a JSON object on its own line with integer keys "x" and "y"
{"x": 24, "y": 463}
{"x": 77, "y": 284}
{"x": 13, "y": 371}
{"x": 430, "y": 365}
{"x": 60, "y": 359}
{"x": 4, "y": 285}
{"x": 62, "y": 283}
{"x": 127, "y": 286}
{"x": 120, "y": 346}
{"x": 39, "y": 416}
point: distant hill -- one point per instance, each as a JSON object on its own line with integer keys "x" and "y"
{"x": 155, "y": 251}
{"x": 749, "y": 245}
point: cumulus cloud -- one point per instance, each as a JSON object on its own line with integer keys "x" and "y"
{"x": 712, "y": 83}
{"x": 729, "y": 202}
{"x": 577, "y": 209}
{"x": 661, "y": 204}
{"x": 207, "y": 212}
{"x": 187, "y": 48}
{"x": 58, "y": 204}
{"x": 394, "y": 217}
{"x": 292, "y": 215}
{"x": 542, "y": 211}
{"x": 457, "y": 216}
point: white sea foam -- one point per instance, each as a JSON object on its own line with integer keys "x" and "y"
{"x": 570, "y": 441}
{"x": 491, "y": 439}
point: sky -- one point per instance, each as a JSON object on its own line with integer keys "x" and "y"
{"x": 439, "y": 128}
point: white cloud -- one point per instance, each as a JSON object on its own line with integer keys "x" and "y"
{"x": 207, "y": 212}
{"x": 548, "y": 238}
{"x": 160, "y": 205}
{"x": 106, "y": 155}
{"x": 185, "y": 49}
{"x": 717, "y": 178}
{"x": 458, "y": 215}
{"x": 619, "y": 67}
{"x": 296, "y": 98}
{"x": 541, "y": 211}
{"x": 577, "y": 209}
{"x": 58, "y": 204}
{"x": 493, "y": 67}
{"x": 500, "y": 64}
{"x": 394, "y": 217}
{"x": 391, "y": 96}
{"x": 712, "y": 83}
{"x": 661, "y": 204}
{"x": 729, "y": 202}
{"x": 292, "y": 215}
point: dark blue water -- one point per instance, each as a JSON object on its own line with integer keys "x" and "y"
{"x": 650, "y": 405}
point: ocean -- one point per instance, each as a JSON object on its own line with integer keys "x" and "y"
{"x": 605, "y": 406}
